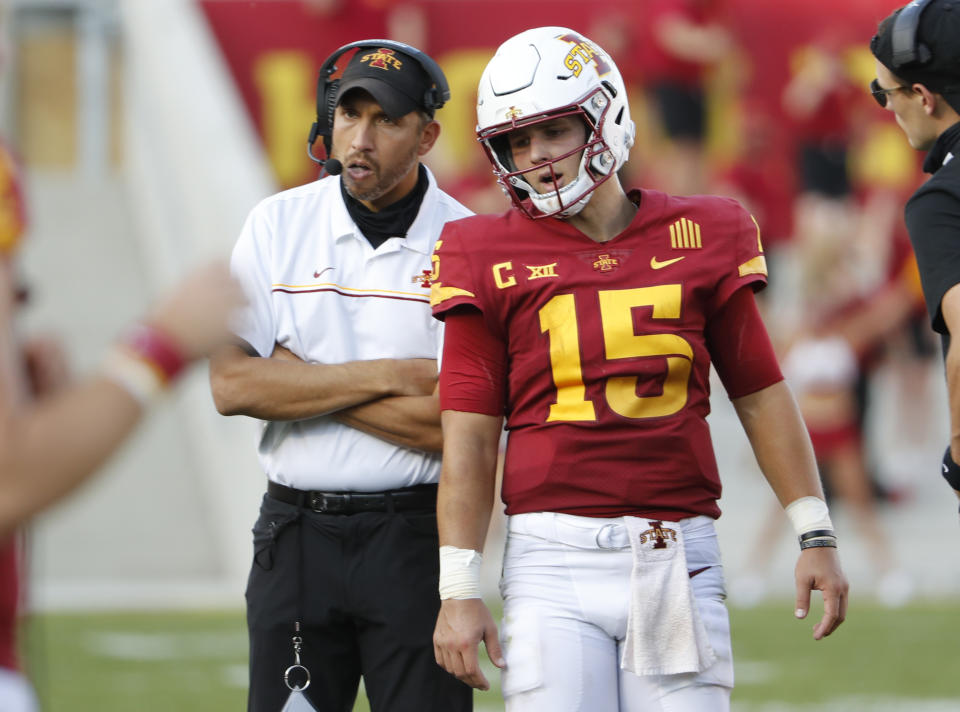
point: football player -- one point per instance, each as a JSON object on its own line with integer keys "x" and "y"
{"x": 588, "y": 317}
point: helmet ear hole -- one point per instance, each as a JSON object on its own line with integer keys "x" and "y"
{"x": 619, "y": 118}
{"x": 501, "y": 147}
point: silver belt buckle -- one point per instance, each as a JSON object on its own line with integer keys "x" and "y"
{"x": 325, "y": 503}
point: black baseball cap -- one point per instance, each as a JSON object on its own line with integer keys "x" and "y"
{"x": 937, "y": 61}
{"x": 395, "y": 79}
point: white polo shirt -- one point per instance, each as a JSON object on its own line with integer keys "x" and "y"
{"x": 317, "y": 287}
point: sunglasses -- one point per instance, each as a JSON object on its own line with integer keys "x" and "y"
{"x": 880, "y": 94}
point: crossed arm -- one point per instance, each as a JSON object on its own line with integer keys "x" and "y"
{"x": 393, "y": 399}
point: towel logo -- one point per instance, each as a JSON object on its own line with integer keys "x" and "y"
{"x": 658, "y": 534}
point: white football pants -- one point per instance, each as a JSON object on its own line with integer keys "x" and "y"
{"x": 16, "y": 694}
{"x": 566, "y": 592}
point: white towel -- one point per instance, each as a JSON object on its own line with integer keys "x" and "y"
{"x": 665, "y": 635}
{"x": 298, "y": 702}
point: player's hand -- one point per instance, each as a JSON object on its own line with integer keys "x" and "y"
{"x": 819, "y": 569}
{"x": 196, "y": 313}
{"x": 46, "y": 364}
{"x": 461, "y": 625}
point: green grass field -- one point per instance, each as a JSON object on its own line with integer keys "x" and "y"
{"x": 881, "y": 660}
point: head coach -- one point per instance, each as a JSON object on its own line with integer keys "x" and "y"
{"x": 337, "y": 357}
{"x": 917, "y": 51}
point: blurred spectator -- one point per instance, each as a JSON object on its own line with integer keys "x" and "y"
{"x": 819, "y": 99}
{"x": 759, "y": 178}
{"x": 686, "y": 40}
{"x": 55, "y": 434}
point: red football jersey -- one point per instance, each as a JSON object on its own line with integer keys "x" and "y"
{"x": 9, "y": 599}
{"x": 608, "y": 378}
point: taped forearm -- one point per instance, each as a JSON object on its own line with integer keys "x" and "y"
{"x": 459, "y": 573}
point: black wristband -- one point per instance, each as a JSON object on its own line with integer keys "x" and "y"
{"x": 824, "y": 541}
{"x": 951, "y": 470}
{"x": 816, "y": 533}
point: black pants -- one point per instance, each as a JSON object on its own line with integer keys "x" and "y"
{"x": 365, "y": 589}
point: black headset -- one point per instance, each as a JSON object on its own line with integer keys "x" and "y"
{"x": 327, "y": 90}
{"x": 907, "y": 49}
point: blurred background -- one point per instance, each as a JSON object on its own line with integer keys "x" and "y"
{"x": 141, "y": 132}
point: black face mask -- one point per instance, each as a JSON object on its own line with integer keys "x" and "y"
{"x": 393, "y": 220}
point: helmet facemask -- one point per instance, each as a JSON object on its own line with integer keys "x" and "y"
{"x": 540, "y": 75}
{"x": 567, "y": 200}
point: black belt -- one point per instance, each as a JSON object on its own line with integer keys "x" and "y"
{"x": 417, "y": 497}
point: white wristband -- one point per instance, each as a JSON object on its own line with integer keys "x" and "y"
{"x": 809, "y": 514}
{"x": 133, "y": 374}
{"x": 459, "y": 573}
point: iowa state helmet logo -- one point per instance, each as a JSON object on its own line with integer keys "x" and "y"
{"x": 583, "y": 53}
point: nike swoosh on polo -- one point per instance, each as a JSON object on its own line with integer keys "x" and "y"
{"x": 657, "y": 264}
{"x": 317, "y": 274}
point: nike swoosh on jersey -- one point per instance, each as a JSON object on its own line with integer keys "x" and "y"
{"x": 657, "y": 264}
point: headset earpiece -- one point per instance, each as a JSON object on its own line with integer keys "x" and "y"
{"x": 907, "y": 49}
{"x": 333, "y": 89}
{"x": 327, "y": 89}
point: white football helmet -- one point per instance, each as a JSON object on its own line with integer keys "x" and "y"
{"x": 537, "y": 76}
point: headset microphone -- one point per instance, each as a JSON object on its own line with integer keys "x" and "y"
{"x": 331, "y": 166}
{"x": 327, "y": 89}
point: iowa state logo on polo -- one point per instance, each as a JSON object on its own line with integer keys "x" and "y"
{"x": 383, "y": 59}
{"x": 424, "y": 279}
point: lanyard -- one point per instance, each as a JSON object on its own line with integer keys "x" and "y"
{"x": 297, "y": 639}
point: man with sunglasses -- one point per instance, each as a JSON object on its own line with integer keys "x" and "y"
{"x": 917, "y": 51}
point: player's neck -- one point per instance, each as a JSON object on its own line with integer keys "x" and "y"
{"x": 608, "y": 213}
